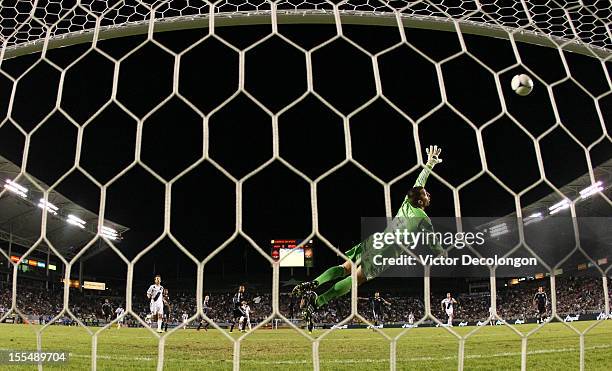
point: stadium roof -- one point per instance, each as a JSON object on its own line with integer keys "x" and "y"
{"x": 592, "y": 206}
{"x": 20, "y": 217}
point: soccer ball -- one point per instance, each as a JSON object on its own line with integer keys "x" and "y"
{"x": 522, "y": 84}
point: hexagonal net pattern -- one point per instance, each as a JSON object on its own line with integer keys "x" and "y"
{"x": 27, "y": 23}
{"x": 561, "y": 23}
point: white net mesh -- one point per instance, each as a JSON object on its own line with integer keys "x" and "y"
{"x": 581, "y": 22}
{"x": 27, "y": 26}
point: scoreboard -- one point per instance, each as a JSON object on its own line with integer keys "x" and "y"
{"x": 290, "y": 255}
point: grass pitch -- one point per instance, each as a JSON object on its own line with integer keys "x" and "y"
{"x": 553, "y": 347}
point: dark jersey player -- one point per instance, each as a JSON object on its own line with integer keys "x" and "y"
{"x": 167, "y": 309}
{"x": 376, "y": 305}
{"x": 237, "y": 311}
{"x": 307, "y": 306}
{"x": 540, "y": 300}
{"x": 107, "y": 311}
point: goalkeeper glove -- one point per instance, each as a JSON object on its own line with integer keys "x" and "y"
{"x": 433, "y": 155}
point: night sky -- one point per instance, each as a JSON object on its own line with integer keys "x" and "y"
{"x": 276, "y": 201}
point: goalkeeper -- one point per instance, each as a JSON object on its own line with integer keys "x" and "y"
{"x": 410, "y": 216}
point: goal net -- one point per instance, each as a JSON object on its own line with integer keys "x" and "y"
{"x": 341, "y": 98}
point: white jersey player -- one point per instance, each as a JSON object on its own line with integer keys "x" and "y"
{"x": 411, "y": 319}
{"x": 246, "y": 317}
{"x": 185, "y": 317}
{"x": 448, "y": 305}
{"x": 155, "y": 293}
{"x": 119, "y": 312}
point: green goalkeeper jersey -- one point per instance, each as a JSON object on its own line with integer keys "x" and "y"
{"x": 408, "y": 217}
{"x": 409, "y": 211}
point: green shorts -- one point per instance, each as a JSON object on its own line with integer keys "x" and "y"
{"x": 355, "y": 253}
{"x": 362, "y": 254}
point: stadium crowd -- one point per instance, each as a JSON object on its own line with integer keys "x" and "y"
{"x": 574, "y": 296}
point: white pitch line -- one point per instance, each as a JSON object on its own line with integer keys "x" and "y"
{"x": 351, "y": 361}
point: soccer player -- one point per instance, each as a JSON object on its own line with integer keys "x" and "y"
{"x": 246, "y": 318}
{"x": 167, "y": 310}
{"x": 155, "y": 295}
{"x": 307, "y": 305}
{"x": 448, "y": 305}
{"x": 376, "y": 304}
{"x": 540, "y": 300}
{"x": 119, "y": 312}
{"x": 236, "y": 307}
{"x": 292, "y": 304}
{"x": 411, "y": 319}
{"x": 413, "y": 217}
{"x": 107, "y": 311}
{"x": 206, "y": 310}
{"x": 185, "y": 317}
{"x": 491, "y": 316}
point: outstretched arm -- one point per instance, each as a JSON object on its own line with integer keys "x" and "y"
{"x": 433, "y": 158}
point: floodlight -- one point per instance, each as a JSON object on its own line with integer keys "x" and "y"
{"x": 45, "y": 205}
{"x": 76, "y": 221}
{"x": 561, "y": 205}
{"x": 591, "y": 190}
{"x": 16, "y": 188}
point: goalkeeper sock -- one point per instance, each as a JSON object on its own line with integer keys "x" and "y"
{"x": 331, "y": 274}
{"x": 338, "y": 289}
